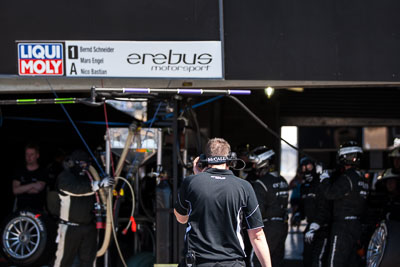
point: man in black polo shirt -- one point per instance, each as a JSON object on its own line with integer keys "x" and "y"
{"x": 29, "y": 182}
{"x": 215, "y": 203}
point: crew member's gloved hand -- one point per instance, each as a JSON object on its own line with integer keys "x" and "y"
{"x": 105, "y": 182}
{"x": 324, "y": 175}
{"x": 309, "y": 236}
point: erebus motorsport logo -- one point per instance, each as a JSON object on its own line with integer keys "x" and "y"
{"x": 173, "y": 61}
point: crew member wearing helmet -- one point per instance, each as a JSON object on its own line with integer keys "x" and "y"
{"x": 389, "y": 185}
{"x": 272, "y": 194}
{"x": 394, "y": 156}
{"x": 348, "y": 194}
{"x": 308, "y": 204}
{"x": 77, "y": 235}
{"x": 316, "y": 208}
{"x": 389, "y": 182}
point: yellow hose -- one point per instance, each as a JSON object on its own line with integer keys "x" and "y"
{"x": 107, "y": 234}
{"x": 109, "y": 217}
{"x": 96, "y": 176}
{"x": 124, "y": 153}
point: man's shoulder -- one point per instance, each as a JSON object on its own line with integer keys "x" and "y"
{"x": 269, "y": 179}
{"x": 229, "y": 176}
{"x": 283, "y": 180}
{"x": 239, "y": 180}
{"x": 241, "y": 183}
{"x": 42, "y": 170}
{"x": 18, "y": 173}
{"x": 350, "y": 173}
{"x": 65, "y": 174}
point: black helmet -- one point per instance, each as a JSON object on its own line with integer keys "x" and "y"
{"x": 76, "y": 158}
{"x": 262, "y": 157}
{"x": 305, "y": 161}
{"x": 79, "y": 155}
{"x": 349, "y": 153}
{"x": 308, "y": 174}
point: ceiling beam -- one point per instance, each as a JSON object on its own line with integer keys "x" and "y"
{"x": 332, "y": 121}
{"x": 18, "y": 84}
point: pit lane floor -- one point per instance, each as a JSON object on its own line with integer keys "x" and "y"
{"x": 293, "y": 249}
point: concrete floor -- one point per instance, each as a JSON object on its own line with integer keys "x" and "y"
{"x": 294, "y": 244}
{"x": 293, "y": 249}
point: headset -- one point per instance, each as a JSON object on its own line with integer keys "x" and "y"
{"x": 75, "y": 159}
{"x": 231, "y": 160}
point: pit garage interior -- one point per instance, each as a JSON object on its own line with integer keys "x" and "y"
{"x": 329, "y": 115}
{"x": 333, "y": 65}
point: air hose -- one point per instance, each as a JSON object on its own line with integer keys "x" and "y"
{"x": 125, "y": 151}
{"x": 96, "y": 176}
{"x": 130, "y": 221}
{"x": 109, "y": 217}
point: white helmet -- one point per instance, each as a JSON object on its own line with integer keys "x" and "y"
{"x": 262, "y": 157}
{"x": 395, "y": 153}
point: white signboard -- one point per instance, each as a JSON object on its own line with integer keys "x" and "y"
{"x": 200, "y": 59}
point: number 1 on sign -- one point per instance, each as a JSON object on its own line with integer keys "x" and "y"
{"x": 72, "y": 52}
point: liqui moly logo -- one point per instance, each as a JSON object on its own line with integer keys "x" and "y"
{"x": 40, "y": 59}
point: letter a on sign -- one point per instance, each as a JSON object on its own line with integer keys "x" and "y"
{"x": 73, "y": 69}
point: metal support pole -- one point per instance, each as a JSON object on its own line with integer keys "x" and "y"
{"x": 184, "y": 159}
{"x": 159, "y": 150}
{"x": 175, "y": 177}
{"x": 185, "y": 91}
{"x": 108, "y": 153}
{"x": 222, "y": 34}
{"x": 108, "y": 165}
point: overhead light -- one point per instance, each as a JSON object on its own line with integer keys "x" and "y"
{"x": 296, "y": 89}
{"x": 187, "y": 84}
{"x": 269, "y": 91}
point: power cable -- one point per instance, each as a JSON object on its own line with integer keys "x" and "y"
{"x": 254, "y": 116}
{"x": 77, "y": 131}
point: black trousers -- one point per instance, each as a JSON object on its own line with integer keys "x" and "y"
{"x": 307, "y": 250}
{"x": 75, "y": 241}
{"x": 343, "y": 243}
{"x": 275, "y": 232}
{"x": 320, "y": 248}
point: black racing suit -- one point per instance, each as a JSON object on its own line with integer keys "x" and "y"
{"x": 307, "y": 209}
{"x": 272, "y": 195}
{"x": 392, "y": 207}
{"x": 323, "y": 216}
{"x": 77, "y": 234}
{"x": 348, "y": 193}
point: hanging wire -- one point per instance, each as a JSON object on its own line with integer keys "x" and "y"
{"x": 265, "y": 126}
{"x": 77, "y": 131}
